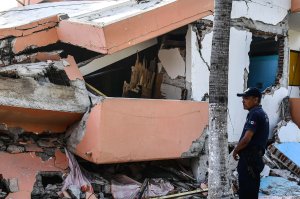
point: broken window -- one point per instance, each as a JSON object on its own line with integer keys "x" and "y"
{"x": 294, "y": 70}
{"x": 264, "y": 60}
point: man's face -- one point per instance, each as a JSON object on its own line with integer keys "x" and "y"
{"x": 249, "y": 102}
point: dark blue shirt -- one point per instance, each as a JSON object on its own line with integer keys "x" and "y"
{"x": 258, "y": 122}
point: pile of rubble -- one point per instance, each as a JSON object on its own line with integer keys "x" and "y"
{"x": 157, "y": 179}
{"x": 14, "y": 140}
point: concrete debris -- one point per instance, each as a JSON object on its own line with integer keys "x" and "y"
{"x": 76, "y": 131}
{"x": 285, "y": 113}
{"x": 277, "y": 186}
{"x": 15, "y": 149}
{"x": 285, "y": 154}
{"x": 286, "y": 174}
{"x": 12, "y": 185}
{"x": 47, "y": 185}
{"x": 266, "y": 171}
{"x": 43, "y": 145}
{"x": 287, "y": 132}
{"x": 124, "y": 187}
{"x": 34, "y": 70}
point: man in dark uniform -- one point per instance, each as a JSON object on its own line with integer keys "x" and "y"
{"x": 252, "y": 145}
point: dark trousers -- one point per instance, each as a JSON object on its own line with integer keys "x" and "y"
{"x": 249, "y": 167}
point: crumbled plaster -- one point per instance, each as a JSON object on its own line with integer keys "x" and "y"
{"x": 33, "y": 70}
{"x": 76, "y": 132}
{"x": 271, "y": 104}
{"x": 197, "y": 63}
{"x": 174, "y": 88}
{"x": 170, "y": 91}
{"x": 172, "y": 62}
{"x": 28, "y": 93}
{"x": 255, "y": 26}
{"x": 267, "y": 11}
{"x": 199, "y": 149}
{"x": 283, "y": 70}
{"x": 288, "y": 132}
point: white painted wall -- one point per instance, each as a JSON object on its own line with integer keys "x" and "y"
{"x": 170, "y": 91}
{"x": 8, "y": 4}
{"x": 267, "y": 11}
{"x": 294, "y": 40}
{"x": 172, "y": 62}
{"x": 199, "y": 70}
{"x": 238, "y": 61}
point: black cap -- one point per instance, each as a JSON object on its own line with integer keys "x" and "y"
{"x": 252, "y": 91}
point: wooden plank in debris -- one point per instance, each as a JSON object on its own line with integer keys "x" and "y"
{"x": 182, "y": 194}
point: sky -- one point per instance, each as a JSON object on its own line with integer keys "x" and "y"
{"x": 7, "y": 4}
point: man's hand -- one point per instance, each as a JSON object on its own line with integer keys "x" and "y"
{"x": 242, "y": 144}
{"x": 235, "y": 155}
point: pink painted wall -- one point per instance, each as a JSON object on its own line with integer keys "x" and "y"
{"x": 25, "y": 166}
{"x": 135, "y": 29}
{"x": 156, "y": 22}
{"x": 72, "y": 70}
{"x": 36, "y": 120}
{"x": 125, "y": 130}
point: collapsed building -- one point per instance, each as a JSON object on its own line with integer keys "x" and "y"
{"x": 127, "y": 81}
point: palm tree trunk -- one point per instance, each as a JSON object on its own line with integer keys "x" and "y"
{"x": 218, "y": 181}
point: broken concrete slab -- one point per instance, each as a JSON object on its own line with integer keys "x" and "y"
{"x": 286, "y": 154}
{"x": 113, "y": 127}
{"x": 278, "y": 187}
{"x": 46, "y": 96}
{"x": 172, "y": 62}
{"x": 127, "y": 15}
{"x": 288, "y": 132}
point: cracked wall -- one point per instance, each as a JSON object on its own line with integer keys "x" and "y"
{"x": 249, "y": 17}
{"x": 267, "y": 11}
